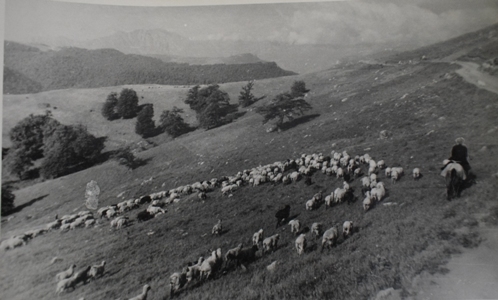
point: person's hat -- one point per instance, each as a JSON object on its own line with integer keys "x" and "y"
{"x": 460, "y": 140}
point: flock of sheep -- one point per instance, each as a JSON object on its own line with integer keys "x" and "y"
{"x": 340, "y": 165}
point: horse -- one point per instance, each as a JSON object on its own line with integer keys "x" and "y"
{"x": 454, "y": 175}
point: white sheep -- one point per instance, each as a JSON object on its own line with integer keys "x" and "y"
{"x": 257, "y": 237}
{"x": 143, "y": 295}
{"x": 367, "y": 203}
{"x": 311, "y": 204}
{"x": 316, "y": 229}
{"x": 270, "y": 243}
{"x": 233, "y": 253}
{"x": 329, "y": 238}
{"x": 89, "y": 223}
{"x": 54, "y": 225}
{"x": 97, "y": 270}
{"x": 301, "y": 243}
{"x": 339, "y": 173}
{"x": 373, "y": 177}
{"x": 394, "y": 176}
{"x": 65, "y": 274}
{"x": 65, "y": 284}
{"x": 339, "y": 195}
{"x": 388, "y": 172}
{"x": 347, "y": 228}
{"x": 329, "y": 200}
{"x": 416, "y": 173}
{"x": 295, "y": 226}
{"x": 217, "y": 228}
{"x": 381, "y": 164}
{"x": 211, "y": 264}
{"x": 365, "y": 181}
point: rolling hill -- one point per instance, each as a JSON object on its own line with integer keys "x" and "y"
{"x": 81, "y": 68}
{"x": 423, "y": 105}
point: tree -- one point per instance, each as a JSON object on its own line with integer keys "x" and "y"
{"x": 145, "y": 126}
{"x": 67, "y": 149}
{"x": 246, "y": 98}
{"x": 127, "y": 105}
{"x": 211, "y": 105}
{"x": 7, "y": 200}
{"x": 28, "y": 134}
{"x": 298, "y": 89}
{"x": 173, "y": 123}
{"x": 109, "y": 107}
{"x": 125, "y": 157}
{"x": 282, "y": 107}
{"x": 18, "y": 163}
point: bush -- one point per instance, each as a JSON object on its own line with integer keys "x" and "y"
{"x": 125, "y": 157}
{"x": 18, "y": 163}
{"x": 282, "y": 107}
{"x": 145, "y": 126}
{"x": 298, "y": 89}
{"x": 127, "y": 105}
{"x": 7, "y": 200}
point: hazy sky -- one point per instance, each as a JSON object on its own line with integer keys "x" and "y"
{"x": 330, "y": 22}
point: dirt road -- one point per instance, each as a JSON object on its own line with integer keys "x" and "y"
{"x": 470, "y": 72}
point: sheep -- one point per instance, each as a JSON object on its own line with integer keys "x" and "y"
{"x": 194, "y": 271}
{"x": 211, "y": 264}
{"x": 35, "y": 232}
{"x": 65, "y": 274}
{"x": 397, "y": 169}
{"x": 381, "y": 164}
{"x": 246, "y": 255}
{"x": 301, "y": 244}
{"x": 177, "y": 281}
{"x": 65, "y": 284}
{"x": 270, "y": 243}
{"x": 257, "y": 237}
{"x": 110, "y": 213}
{"x": 317, "y": 229}
{"x": 65, "y": 227}
{"x": 143, "y": 295}
{"x": 272, "y": 267}
{"x": 367, "y": 203}
{"x": 295, "y": 176}
{"x": 358, "y": 172}
{"x": 388, "y": 172}
{"x": 97, "y": 270}
{"x": 154, "y": 210}
{"x": 77, "y": 223}
{"x": 373, "y": 177}
{"x": 53, "y": 225}
{"x": 339, "y": 173}
{"x": 347, "y": 228}
{"x": 416, "y": 173}
{"x": 201, "y": 195}
{"x": 144, "y": 216}
{"x": 339, "y": 195}
{"x": 82, "y": 275}
{"x": 394, "y": 176}
{"x": 311, "y": 204}
{"x": 329, "y": 199}
{"x": 115, "y": 221}
{"x": 365, "y": 181}
{"x": 329, "y": 238}
{"x": 372, "y": 170}
{"x": 232, "y": 253}
{"x": 217, "y": 228}
{"x": 89, "y": 223}
{"x": 295, "y": 226}
{"x": 346, "y": 186}
{"x": 282, "y": 215}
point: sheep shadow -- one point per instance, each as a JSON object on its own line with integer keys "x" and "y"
{"x": 291, "y": 124}
{"x": 23, "y": 206}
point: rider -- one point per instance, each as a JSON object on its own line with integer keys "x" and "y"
{"x": 459, "y": 154}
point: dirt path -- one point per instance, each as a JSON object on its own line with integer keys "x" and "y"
{"x": 471, "y": 73}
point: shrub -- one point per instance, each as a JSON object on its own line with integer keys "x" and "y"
{"x": 172, "y": 123}
{"x": 109, "y": 107}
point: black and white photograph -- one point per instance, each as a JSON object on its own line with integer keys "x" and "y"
{"x": 241, "y": 149}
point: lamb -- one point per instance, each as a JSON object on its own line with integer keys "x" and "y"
{"x": 270, "y": 243}
{"x": 295, "y": 226}
{"x": 143, "y": 295}
{"x": 257, "y": 237}
{"x": 97, "y": 270}
{"x": 317, "y": 229}
{"x": 217, "y": 228}
{"x": 416, "y": 173}
{"x": 211, "y": 264}
{"x": 347, "y": 228}
{"x": 301, "y": 244}
{"x": 282, "y": 215}
{"x": 65, "y": 274}
{"x": 329, "y": 238}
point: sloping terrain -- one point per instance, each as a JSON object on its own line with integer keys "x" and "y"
{"x": 423, "y": 106}
{"x": 82, "y": 68}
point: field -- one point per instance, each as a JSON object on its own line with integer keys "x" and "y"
{"x": 423, "y": 105}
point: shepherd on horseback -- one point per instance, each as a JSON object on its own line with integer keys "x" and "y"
{"x": 456, "y": 168}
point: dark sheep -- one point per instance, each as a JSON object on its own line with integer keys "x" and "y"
{"x": 282, "y": 215}
{"x": 145, "y": 199}
{"x": 246, "y": 255}
{"x": 144, "y": 216}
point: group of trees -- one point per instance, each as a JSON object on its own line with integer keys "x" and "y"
{"x": 61, "y": 148}
{"x": 211, "y": 105}
{"x": 125, "y": 106}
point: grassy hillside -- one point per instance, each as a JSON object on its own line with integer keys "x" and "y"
{"x": 424, "y": 107}
{"x": 82, "y": 68}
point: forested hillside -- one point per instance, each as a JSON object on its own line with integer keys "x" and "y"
{"x": 82, "y": 68}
